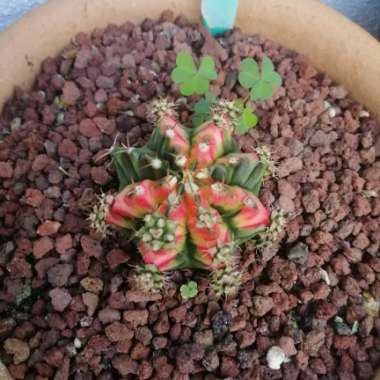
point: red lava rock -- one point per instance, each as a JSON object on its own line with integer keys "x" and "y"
{"x": 70, "y": 93}
{"x": 6, "y": 170}
{"x": 99, "y": 343}
{"x": 321, "y": 138}
{"x": 302, "y": 360}
{"x": 48, "y": 228}
{"x": 262, "y": 305}
{"x": 125, "y": 365}
{"x": 136, "y": 317}
{"x": 82, "y": 264}
{"x": 311, "y": 201}
{"x": 88, "y": 128}
{"x": 341, "y": 265}
{"x": 286, "y": 204}
{"x": 59, "y": 274}
{"x": 245, "y": 338}
{"x": 42, "y": 246}
{"x": 361, "y": 242}
{"x": 63, "y": 244}
{"x": 361, "y": 206}
{"x": 91, "y": 246}
{"x": 145, "y": 370}
{"x": 204, "y": 338}
{"x": 344, "y": 342}
{"x": 353, "y": 255}
{"x": 63, "y": 371}
{"x": 68, "y": 149}
{"x": 287, "y": 344}
{"x": 19, "y": 268}
{"x": 43, "y": 265}
{"x": 140, "y": 352}
{"x": 289, "y": 166}
{"x": 124, "y": 346}
{"x": 178, "y": 314}
{"x": 117, "y": 331}
{"x": 159, "y": 342}
{"x": 325, "y": 310}
{"x": 115, "y": 258}
{"x": 109, "y": 315}
{"x": 60, "y": 298}
{"x": 139, "y": 296}
{"x": 162, "y": 326}
{"x": 100, "y": 175}
{"x": 229, "y": 367}
{"x": 105, "y": 125}
{"x": 33, "y": 197}
{"x": 314, "y": 340}
{"x": 104, "y": 82}
{"x": 17, "y": 371}
{"x": 83, "y": 57}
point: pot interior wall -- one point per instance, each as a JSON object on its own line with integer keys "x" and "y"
{"x": 330, "y": 41}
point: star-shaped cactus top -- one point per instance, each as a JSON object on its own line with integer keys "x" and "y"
{"x": 189, "y": 194}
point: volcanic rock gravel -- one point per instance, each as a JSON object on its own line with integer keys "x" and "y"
{"x": 66, "y": 306}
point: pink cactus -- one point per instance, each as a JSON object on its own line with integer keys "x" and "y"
{"x": 196, "y": 197}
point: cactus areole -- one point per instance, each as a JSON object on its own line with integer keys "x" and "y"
{"x": 189, "y": 194}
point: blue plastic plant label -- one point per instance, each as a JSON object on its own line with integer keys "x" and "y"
{"x": 218, "y": 16}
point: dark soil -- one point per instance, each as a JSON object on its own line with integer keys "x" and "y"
{"x": 66, "y": 306}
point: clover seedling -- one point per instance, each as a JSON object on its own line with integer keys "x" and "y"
{"x": 189, "y": 290}
{"x": 247, "y": 120}
{"x": 190, "y": 79}
{"x": 202, "y": 109}
{"x": 261, "y": 82}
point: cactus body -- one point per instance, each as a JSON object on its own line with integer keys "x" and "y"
{"x": 199, "y": 198}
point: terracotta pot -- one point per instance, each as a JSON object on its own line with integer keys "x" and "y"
{"x": 330, "y": 41}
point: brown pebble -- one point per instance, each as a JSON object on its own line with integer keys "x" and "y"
{"x": 136, "y": 317}
{"x": 60, "y": 298}
{"x": 42, "y": 246}
{"x": 48, "y": 228}
{"x": 70, "y": 94}
{"x": 19, "y": 349}
{"x": 91, "y": 300}
{"x": 6, "y": 170}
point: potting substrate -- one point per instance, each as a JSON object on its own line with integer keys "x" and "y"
{"x": 68, "y": 307}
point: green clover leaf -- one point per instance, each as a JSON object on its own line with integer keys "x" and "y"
{"x": 189, "y": 290}
{"x": 185, "y": 69}
{"x": 249, "y": 73}
{"x": 190, "y": 79}
{"x": 246, "y": 121}
{"x": 207, "y": 68}
{"x": 261, "y": 82}
{"x": 261, "y": 91}
{"x": 202, "y": 109}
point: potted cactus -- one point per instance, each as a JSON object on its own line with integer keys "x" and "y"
{"x": 189, "y": 195}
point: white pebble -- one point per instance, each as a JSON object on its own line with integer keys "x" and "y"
{"x": 332, "y": 112}
{"x": 77, "y": 343}
{"x": 363, "y": 114}
{"x": 275, "y": 357}
{"x": 324, "y": 276}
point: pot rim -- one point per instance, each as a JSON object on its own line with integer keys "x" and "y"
{"x": 330, "y": 41}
